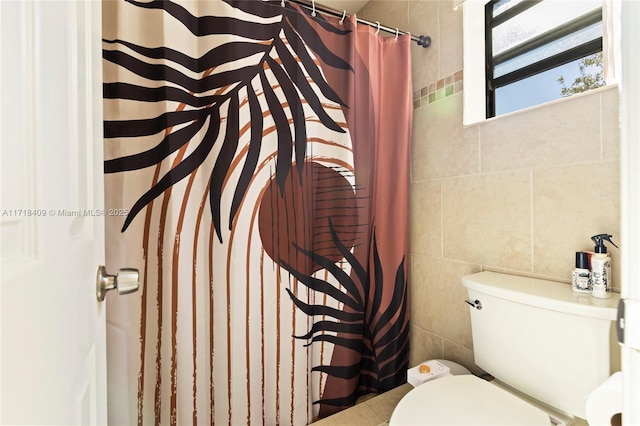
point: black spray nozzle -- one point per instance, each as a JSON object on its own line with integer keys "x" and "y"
{"x": 599, "y": 240}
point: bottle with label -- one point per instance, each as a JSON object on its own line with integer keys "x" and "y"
{"x": 581, "y": 282}
{"x": 601, "y": 267}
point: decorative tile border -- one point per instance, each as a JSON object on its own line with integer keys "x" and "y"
{"x": 440, "y": 89}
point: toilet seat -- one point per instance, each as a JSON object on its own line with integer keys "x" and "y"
{"x": 464, "y": 400}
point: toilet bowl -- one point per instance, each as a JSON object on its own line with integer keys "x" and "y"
{"x": 547, "y": 349}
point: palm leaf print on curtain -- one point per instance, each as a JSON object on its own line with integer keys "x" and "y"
{"x": 261, "y": 155}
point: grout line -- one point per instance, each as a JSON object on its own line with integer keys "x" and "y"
{"x": 479, "y": 136}
{"x": 601, "y": 120}
{"x": 408, "y": 14}
{"x": 441, "y": 219}
{"x": 531, "y": 200}
{"x": 439, "y": 38}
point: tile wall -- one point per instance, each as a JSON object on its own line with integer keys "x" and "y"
{"x": 519, "y": 194}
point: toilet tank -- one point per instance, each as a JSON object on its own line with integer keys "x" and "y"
{"x": 541, "y": 338}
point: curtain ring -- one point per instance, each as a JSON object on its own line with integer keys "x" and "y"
{"x": 344, "y": 13}
{"x": 313, "y": 6}
{"x": 378, "y": 30}
{"x": 396, "y": 33}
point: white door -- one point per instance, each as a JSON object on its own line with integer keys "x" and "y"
{"x": 630, "y": 179}
{"x": 52, "y": 328}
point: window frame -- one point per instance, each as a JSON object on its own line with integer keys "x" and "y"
{"x": 474, "y": 55}
{"x": 562, "y": 58}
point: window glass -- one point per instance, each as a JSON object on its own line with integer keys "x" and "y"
{"x": 536, "y": 20}
{"x": 502, "y": 6}
{"x": 555, "y": 47}
{"x": 543, "y": 87}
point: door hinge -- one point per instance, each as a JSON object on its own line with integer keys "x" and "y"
{"x": 628, "y": 324}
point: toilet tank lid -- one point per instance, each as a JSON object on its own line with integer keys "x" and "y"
{"x": 542, "y": 293}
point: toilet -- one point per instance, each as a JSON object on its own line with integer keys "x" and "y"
{"x": 546, "y": 346}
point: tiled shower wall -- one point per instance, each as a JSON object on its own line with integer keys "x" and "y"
{"x": 519, "y": 194}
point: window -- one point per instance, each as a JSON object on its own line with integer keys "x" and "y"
{"x": 521, "y": 53}
{"x": 534, "y": 47}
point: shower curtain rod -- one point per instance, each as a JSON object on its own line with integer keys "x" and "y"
{"x": 424, "y": 41}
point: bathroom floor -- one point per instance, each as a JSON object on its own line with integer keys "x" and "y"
{"x": 375, "y": 411}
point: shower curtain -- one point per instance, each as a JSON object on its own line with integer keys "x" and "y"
{"x": 256, "y": 161}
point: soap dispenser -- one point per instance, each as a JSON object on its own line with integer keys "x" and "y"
{"x": 601, "y": 267}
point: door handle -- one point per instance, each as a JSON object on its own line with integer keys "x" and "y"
{"x": 627, "y": 322}
{"x": 126, "y": 281}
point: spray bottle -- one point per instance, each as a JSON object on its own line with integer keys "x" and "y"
{"x": 601, "y": 267}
